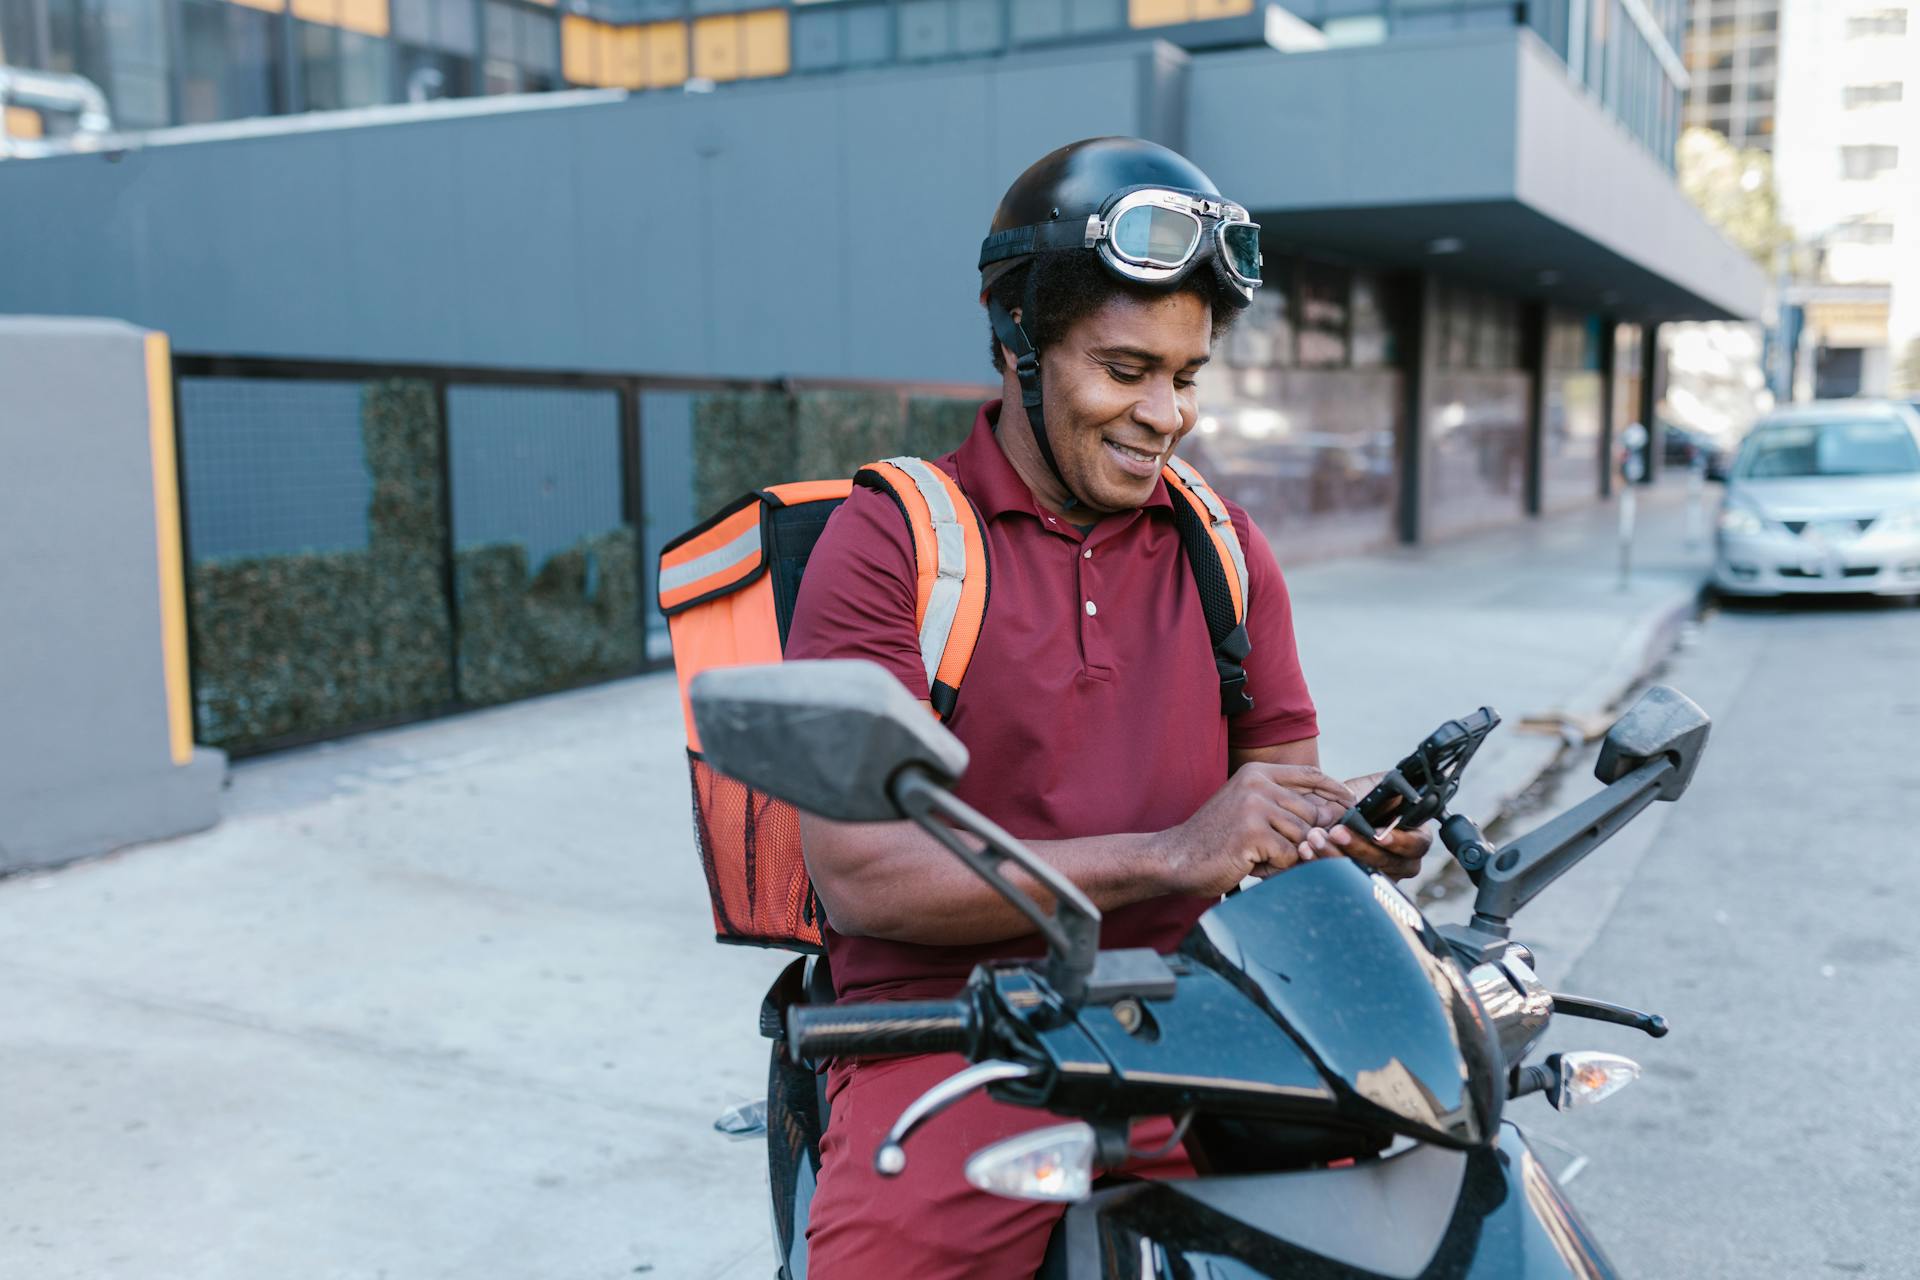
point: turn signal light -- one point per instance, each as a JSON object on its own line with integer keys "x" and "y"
{"x": 1588, "y": 1077}
{"x": 1054, "y": 1164}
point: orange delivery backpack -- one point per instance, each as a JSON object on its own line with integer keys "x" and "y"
{"x": 727, "y": 588}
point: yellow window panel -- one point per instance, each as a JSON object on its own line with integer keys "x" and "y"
{"x": 368, "y": 17}
{"x": 1221, "y": 8}
{"x": 716, "y": 48}
{"x": 327, "y": 11}
{"x": 1158, "y": 13}
{"x": 271, "y": 6}
{"x": 666, "y": 53}
{"x": 625, "y": 63}
{"x": 579, "y": 50}
{"x": 764, "y": 42}
{"x": 24, "y": 122}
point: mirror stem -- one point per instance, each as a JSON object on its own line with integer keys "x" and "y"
{"x": 1071, "y": 931}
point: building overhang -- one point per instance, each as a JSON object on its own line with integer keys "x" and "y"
{"x": 1474, "y": 155}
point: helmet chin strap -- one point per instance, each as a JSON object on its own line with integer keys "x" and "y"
{"x": 1027, "y": 367}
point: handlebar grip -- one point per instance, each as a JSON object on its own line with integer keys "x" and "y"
{"x": 881, "y": 1030}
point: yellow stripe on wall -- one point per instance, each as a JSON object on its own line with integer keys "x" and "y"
{"x": 166, "y": 522}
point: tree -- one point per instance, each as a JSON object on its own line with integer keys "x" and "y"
{"x": 1733, "y": 190}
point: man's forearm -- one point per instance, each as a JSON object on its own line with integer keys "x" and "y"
{"x": 894, "y": 881}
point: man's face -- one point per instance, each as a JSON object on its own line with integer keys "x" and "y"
{"x": 1119, "y": 394}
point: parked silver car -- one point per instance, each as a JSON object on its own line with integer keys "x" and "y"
{"x": 1824, "y": 498}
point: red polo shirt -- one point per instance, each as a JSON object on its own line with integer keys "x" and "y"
{"x": 1091, "y": 706}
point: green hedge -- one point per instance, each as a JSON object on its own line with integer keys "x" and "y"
{"x": 577, "y": 620}
{"x": 304, "y": 643}
{"x": 748, "y": 440}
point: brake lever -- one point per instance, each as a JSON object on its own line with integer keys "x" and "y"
{"x": 1600, "y": 1011}
{"x": 890, "y": 1160}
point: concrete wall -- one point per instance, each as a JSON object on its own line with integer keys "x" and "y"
{"x": 95, "y": 745}
{"x": 822, "y": 226}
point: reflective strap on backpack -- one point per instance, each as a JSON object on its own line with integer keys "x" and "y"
{"x": 951, "y": 571}
{"x": 1219, "y": 568}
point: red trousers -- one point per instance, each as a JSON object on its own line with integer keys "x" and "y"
{"x": 928, "y": 1223}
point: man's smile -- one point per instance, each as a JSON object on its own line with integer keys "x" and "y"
{"x": 1135, "y": 461}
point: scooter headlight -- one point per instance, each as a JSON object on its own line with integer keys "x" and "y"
{"x": 1055, "y": 1164}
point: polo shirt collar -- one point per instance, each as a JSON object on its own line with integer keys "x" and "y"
{"x": 995, "y": 487}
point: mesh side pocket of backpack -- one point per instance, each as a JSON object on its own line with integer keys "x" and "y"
{"x": 749, "y": 847}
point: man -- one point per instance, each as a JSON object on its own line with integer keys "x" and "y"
{"x": 1093, "y": 708}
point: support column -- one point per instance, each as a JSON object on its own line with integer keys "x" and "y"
{"x": 1535, "y": 329}
{"x": 1609, "y": 366}
{"x": 1417, "y": 339}
{"x": 1653, "y": 386}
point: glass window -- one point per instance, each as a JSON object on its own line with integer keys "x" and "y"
{"x": 1878, "y": 22}
{"x": 1863, "y": 233}
{"x": 1869, "y": 161}
{"x": 366, "y": 70}
{"x": 427, "y": 75}
{"x": 454, "y": 26}
{"x": 1856, "y": 448}
{"x": 229, "y": 64}
{"x": 1323, "y": 316}
{"x": 1867, "y": 95}
{"x": 19, "y": 45}
{"x": 1372, "y": 331}
{"x": 538, "y": 39}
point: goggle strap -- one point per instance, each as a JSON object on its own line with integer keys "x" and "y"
{"x": 1018, "y": 242}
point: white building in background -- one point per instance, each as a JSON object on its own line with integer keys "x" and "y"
{"x": 1847, "y": 169}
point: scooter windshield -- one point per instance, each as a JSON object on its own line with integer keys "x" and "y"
{"x": 1350, "y": 968}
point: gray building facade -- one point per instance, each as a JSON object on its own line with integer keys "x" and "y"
{"x": 1471, "y": 234}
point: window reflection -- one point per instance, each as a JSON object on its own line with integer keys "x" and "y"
{"x": 1570, "y": 436}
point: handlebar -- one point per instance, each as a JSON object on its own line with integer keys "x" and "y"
{"x": 882, "y": 1030}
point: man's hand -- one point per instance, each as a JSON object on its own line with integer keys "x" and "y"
{"x": 1257, "y": 824}
{"x": 1396, "y": 854}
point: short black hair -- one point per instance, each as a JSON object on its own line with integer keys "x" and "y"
{"x": 1073, "y": 284}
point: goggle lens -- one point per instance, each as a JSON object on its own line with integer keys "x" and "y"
{"x": 1157, "y": 237}
{"x": 1240, "y": 243}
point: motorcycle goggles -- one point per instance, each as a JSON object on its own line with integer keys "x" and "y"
{"x": 1152, "y": 235}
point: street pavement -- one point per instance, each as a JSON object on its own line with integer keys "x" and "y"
{"x": 442, "y": 1001}
{"x": 1768, "y": 915}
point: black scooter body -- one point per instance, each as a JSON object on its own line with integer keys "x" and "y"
{"x": 1317, "y": 1017}
{"x": 1492, "y": 1213}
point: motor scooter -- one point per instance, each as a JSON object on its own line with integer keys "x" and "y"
{"x": 1339, "y": 1068}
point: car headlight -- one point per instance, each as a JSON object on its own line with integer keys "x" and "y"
{"x": 1900, "y": 520}
{"x": 1741, "y": 520}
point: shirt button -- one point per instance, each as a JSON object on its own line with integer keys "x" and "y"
{"x": 1086, "y": 555}
{"x": 1090, "y": 609}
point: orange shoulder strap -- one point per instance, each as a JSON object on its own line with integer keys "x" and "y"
{"x": 950, "y": 561}
{"x": 1219, "y": 567}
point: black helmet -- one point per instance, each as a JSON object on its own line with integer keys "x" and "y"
{"x": 1148, "y": 212}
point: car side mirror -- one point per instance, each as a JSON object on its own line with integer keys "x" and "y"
{"x": 1663, "y": 722}
{"x": 827, "y": 737}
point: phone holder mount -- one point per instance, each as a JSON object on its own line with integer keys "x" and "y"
{"x": 1418, "y": 789}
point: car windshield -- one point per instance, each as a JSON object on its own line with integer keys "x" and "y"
{"x": 1862, "y": 447}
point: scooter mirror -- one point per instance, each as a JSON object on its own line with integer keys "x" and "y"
{"x": 827, "y": 737}
{"x": 1664, "y": 722}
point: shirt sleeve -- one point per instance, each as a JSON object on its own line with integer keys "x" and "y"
{"x": 1282, "y": 709}
{"x": 858, "y": 594}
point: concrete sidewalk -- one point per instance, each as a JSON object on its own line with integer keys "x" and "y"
{"x": 442, "y": 1001}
